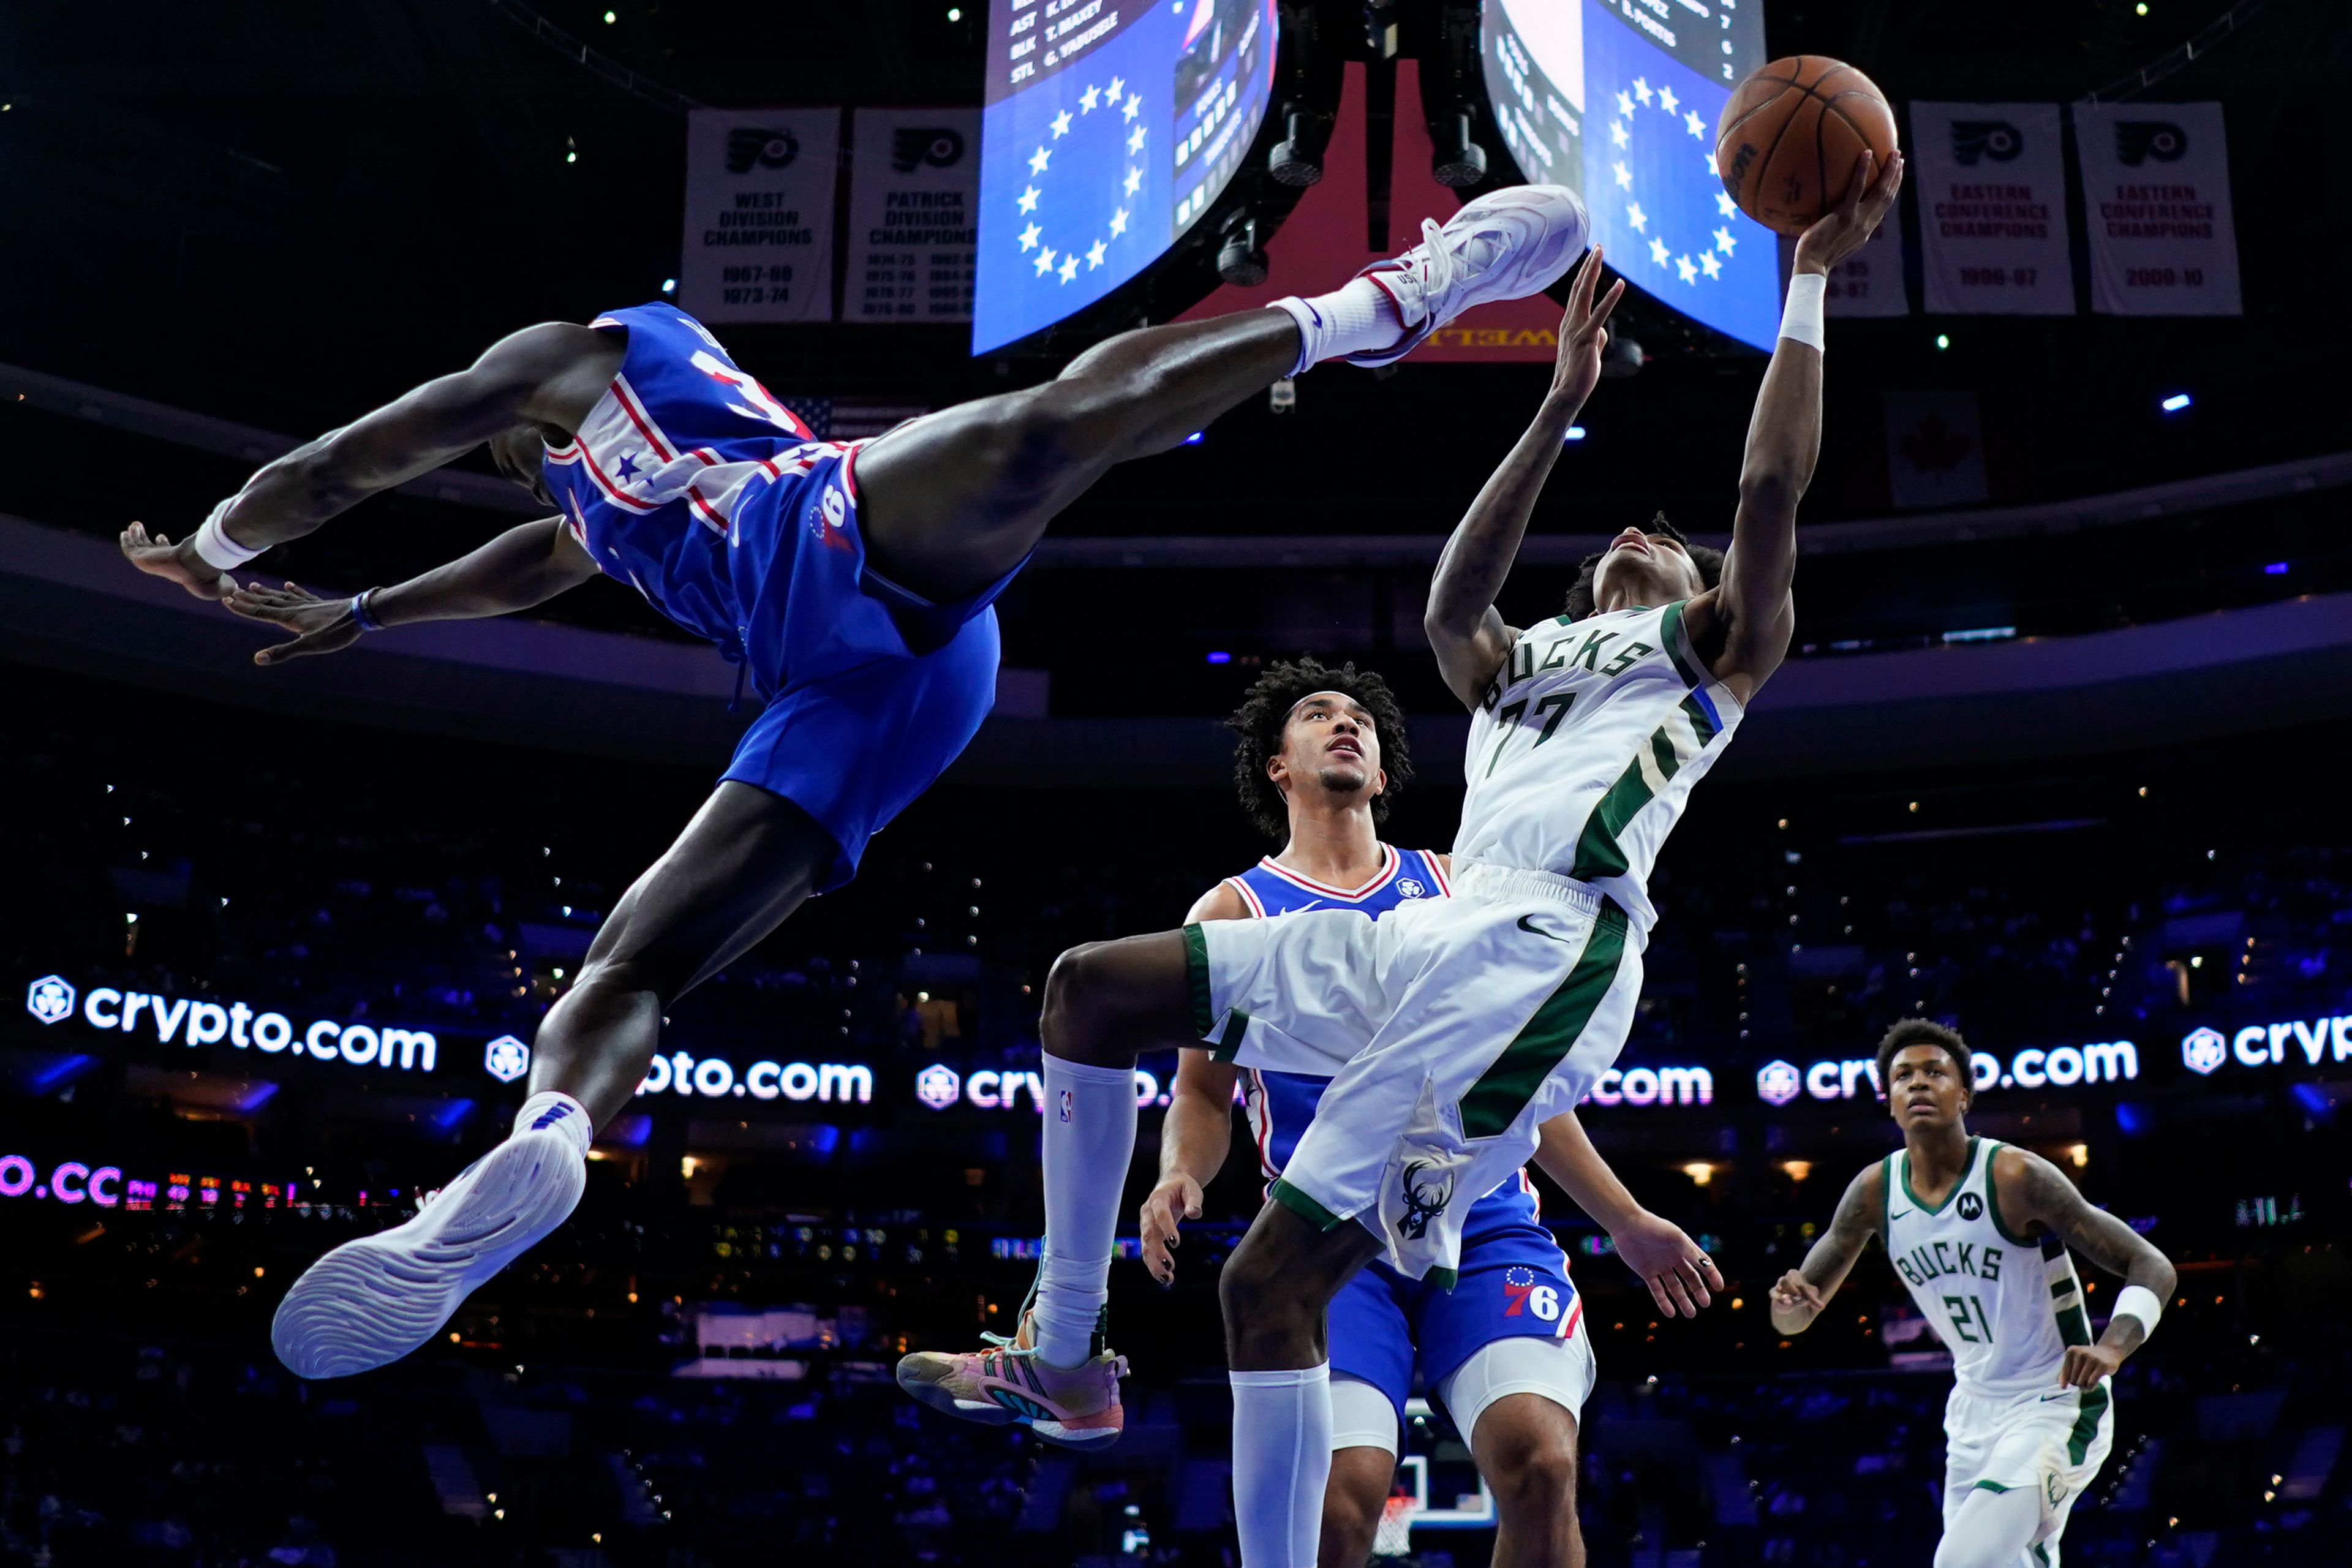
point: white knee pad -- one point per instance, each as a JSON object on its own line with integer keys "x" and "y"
{"x": 1361, "y": 1415}
{"x": 1562, "y": 1371}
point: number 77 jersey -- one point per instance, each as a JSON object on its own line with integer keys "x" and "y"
{"x": 1586, "y": 748}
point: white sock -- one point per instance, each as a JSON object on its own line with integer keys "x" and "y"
{"x": 1282, "y": 1461}
{"x": 1350, "y": 320}
{"x": 551, "y": 1108}
{"x": 1089, "y": 1139}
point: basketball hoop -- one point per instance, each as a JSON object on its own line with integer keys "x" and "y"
{"x": 1392, "y": 1537}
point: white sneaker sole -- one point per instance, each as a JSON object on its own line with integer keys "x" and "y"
{"x": 1548, "y": 228}
{"x": 373, "y": 1300}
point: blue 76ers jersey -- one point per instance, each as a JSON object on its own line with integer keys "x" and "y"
{"x": 678, "y": 455}
{"x": 1280, "y": 1104}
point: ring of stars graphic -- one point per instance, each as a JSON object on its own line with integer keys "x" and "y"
{"x": 1630, "y": 100}
{"x": 1064, "y": 263}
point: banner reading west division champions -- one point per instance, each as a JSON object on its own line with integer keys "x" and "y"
{"x": 1992, "y": 210}
{"x": 758, "y": 245}
{"x": 2155, "y": 198}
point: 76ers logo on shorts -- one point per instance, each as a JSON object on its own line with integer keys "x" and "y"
{"x": 1523, "y": 1296}
{"x": 832, "y": 514}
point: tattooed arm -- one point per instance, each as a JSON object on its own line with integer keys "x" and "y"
{"x": 1802, "y": 1293}
{"x": 2032, "y": 1191}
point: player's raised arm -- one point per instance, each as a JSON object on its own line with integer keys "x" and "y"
{"x": 2030, "y": 1190}
{"x": 1679, "y": 1273}
{"x": 550, "y": 373}
{"x": 1465, "y": 631}
{"x": 527, "y": 564}
{"x": 1198, "y": 1131}
{"x": 1743, "y": 627}
{"x": 1800, "y": 1295}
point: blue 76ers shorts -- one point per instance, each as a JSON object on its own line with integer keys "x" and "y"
{"x": 1513, "y": 1281}
{"x": 872, "y": 691}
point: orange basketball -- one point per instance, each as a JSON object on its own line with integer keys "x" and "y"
{"x": 1790, "y": 137}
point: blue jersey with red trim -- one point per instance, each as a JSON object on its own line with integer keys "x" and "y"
{"x": 1280, "y": 1104}
{"x": 678, "y": 456}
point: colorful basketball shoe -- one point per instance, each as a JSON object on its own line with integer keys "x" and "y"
{"x": 1506, "y": 245}
{"x": 1007, "y": 1384}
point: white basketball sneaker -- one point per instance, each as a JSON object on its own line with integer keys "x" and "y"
{"x": 1506, "y": 245}
{"x": 374, "y": 1300}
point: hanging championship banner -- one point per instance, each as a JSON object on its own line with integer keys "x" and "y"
{"x": 914, "y": 193}
{"x": 759, "y": 214}
{"x": 1992, "y": 210}
{"x": 2155, "y": 198}
{"x": 1869, "y": 281}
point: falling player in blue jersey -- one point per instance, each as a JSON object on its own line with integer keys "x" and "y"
{"x": 852, "y": 584}
{"x": 1321, "y": 754}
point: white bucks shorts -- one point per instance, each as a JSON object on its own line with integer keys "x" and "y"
{"x": 2050, "y": 1442}
{"x": 1450, "y": 1029}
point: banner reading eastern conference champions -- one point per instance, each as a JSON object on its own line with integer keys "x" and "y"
{"x": 2156, "y": 202}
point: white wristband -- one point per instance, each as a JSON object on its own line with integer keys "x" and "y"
{"x": 2138, "y": 1301}
{"x": 216, "y": 549}
{"x": 1801, "y": 317}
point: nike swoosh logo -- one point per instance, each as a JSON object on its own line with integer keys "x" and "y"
{"x": 2048, "y": 1397}
{"x": 1313, "y": 311}
{"x": 1526, "y": 923}
{"x": 1897, "y": 1214}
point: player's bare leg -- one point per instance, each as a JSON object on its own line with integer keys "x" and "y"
{"x": 951, "y": 503}
{"x": 1353, "y": 1501}
{"x": 746, "y": 861}
{"x": 1525, "y": 1446}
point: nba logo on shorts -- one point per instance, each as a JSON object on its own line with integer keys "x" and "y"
{"x": 1065, "y": 1105}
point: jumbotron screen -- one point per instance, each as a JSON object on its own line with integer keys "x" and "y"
{"x": 1109, "y": 130}
{"x": 1618, "y": 100}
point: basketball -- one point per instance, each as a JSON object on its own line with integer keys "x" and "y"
{"x": 1791, "y": 135}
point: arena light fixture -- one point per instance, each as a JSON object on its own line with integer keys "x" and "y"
{"x": 1575, "y": 433}
{"x": 1943, "y": 341}
{"x": 2275, "y": 569}
{"x": 2175, "y": 404}
{"x": 1700, "y": 1173}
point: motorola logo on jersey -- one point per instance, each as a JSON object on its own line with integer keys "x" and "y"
{"x": 939, "y": 145}
{"x": 1971, "y": 1206}
{"x": 1976, "y": 140}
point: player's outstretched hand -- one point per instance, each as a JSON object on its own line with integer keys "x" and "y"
{"x": 155, "y": 555}
{"x": 2086, "y": 1365}
{"x": 325, "y": 625}
{"x": 1680, "y": 1275}
{"x": 1796, "y": 1298}
{"x": 1583, "y": 333}
{"x": 1839, "y": 234}
{"x": 1172, "y": 1203}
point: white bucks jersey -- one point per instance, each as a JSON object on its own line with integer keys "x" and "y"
{"x": 1586, "y": 748}
{"x": 2006, "y": 1306}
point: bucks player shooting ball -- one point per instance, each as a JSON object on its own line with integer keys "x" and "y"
{"x": 1506, "y": 1351}
{"x": 1452, "y": 1029}
{"x": 1978, "y": 1230}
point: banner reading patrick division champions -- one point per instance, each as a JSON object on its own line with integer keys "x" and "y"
{"x": 914, "y": 204}
{"x": 2155, "y": 198}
